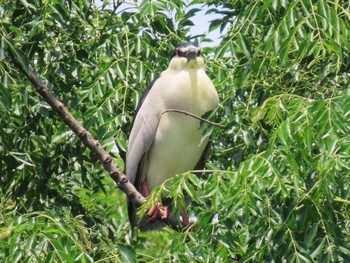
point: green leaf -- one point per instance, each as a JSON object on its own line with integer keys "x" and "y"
{"x": 17, "y": 256}
{"x": 190, "y": 191}
{"x": 5, "y": 99}
{"x": 18, "y": 55}
{"x": 334, "y": 46}
{"x": 311, "y": 234}
{"x": 244, "y": 45}
{"x": 208, "y": 129}
{"x": 215, "y": 24}
{"x": 22, "y": 158}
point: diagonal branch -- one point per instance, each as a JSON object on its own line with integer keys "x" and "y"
{"x": 94, "y": 145}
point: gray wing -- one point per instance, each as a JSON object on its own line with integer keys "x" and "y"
{"x": 140, "y": 140}
{"x": 143, "y": 131}
{"x": 142, "y": 134}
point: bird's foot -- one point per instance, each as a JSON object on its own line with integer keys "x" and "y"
{"x": 153, "y": 213}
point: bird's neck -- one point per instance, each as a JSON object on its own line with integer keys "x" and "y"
{"x": 178, "y": 63}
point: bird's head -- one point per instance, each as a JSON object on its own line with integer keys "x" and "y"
{"x": 188, "y": 50}
{"x": 187, "y": 54}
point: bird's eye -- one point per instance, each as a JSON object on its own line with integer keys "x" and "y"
{"x": 199, "y": 52}
{"x": 179, "y": 52}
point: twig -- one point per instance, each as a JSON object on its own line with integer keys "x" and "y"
{"x": 94, "y": 145}
{"x": 194, "y": 116}
{"x": 116, "y": 5}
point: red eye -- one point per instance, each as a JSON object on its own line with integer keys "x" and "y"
{"x": 179, "y": 52}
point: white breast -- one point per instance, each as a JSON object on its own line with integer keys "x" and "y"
{"x": 177, "y": 146}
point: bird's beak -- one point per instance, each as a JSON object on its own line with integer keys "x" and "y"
{"x": 192, "y": 53}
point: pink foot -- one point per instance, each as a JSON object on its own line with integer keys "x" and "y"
{"x": 154, "y": 212}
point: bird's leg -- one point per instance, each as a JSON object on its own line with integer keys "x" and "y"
{"x": 154, "y": 211}
{"x": 144, "y": 187}
{"x": 189, "y": 226}
{"x": 185, "y": 217}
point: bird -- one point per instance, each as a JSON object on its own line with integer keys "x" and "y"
{"x": 164, "y": 141}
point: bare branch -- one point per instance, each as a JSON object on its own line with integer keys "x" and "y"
{"x": 94, "y": 145}
{"x": 194, "y": 116}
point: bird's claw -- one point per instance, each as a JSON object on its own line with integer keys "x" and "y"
{"x": 154, "y": 212}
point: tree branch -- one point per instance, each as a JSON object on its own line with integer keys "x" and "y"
{"x": 94, "y": 145}
{"x": 195, "y": 116}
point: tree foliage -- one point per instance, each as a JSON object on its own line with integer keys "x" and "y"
{"x": 277, "y": 183}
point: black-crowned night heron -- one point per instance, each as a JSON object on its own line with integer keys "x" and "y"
{"x": 164, "y": 142}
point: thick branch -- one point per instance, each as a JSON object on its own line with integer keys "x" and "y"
{"x": 95, "y": 146}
